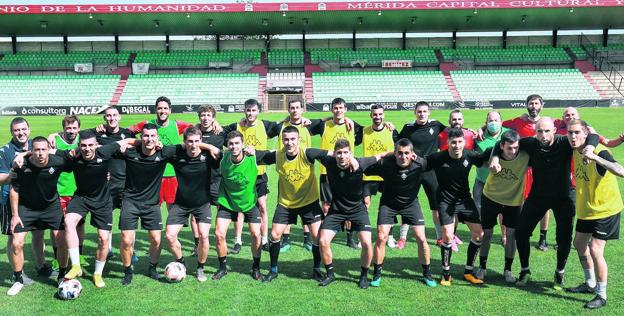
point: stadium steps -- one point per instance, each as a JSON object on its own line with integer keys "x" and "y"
{"x": 262, "y": 83}
{"x": 451, "y": 85}
{"x": 602, "y": 85}
{"x": 119, "y": 91}
{"x": 570, "y": 53}
{"x": 439, "y": 55}
{"x": 308, "y": 90}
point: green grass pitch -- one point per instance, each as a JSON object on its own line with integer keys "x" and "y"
{"x": 293, "y": 292}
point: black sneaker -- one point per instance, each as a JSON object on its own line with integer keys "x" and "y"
{"x": 327, "y": 280}
{"x": 265, "y": 247}
{"x": 127, "y": 279}
{"x": 596, "y": 302}
{"x": 270, "y": 277}
{"x": 45, "y": 270}
{"x": 352, "y": 244}
{"x": 541, "y": 245}
{"x": 363, "y": 283}
{"x": 235, "y": 250}
{"x": 317, "y": 275}
{"x": 256, "y": 275}
{"x": 219, "y": 274}
{"x": 152, "y": 272}
{"x": 582, "y": 288}
{"x": 558, "y": 282}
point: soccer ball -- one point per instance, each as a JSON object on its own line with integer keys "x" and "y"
{"x": 69, "y": 289}
{"x": 175, "y": 272}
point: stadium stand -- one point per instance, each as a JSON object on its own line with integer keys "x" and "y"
{"x": 85, "y": 90}
{"x": 190, "y": 88}
{"x": 380, "y": 86}
{"x": 510, "y": 55}
{"x": 285, "y": 57}
{"x": 516, "y": 84}
{"x": 60, "y": 60}
{"x": 196, "y": 58}
{"x": 373, "y": 56}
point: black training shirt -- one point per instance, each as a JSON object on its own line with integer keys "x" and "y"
{"x": 144, "y": 174}
{"x": 423, "y": 137}
{"x": 193, "y": 174}
{"x": 37, "y": 185}
{"x": 400, "y": 185}
{"x": 347, "y": 187}
{"x": 117, "y": 166}
{"x": 452, "y": 174}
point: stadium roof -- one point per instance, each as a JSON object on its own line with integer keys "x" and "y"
{"x": 155, "y": 17}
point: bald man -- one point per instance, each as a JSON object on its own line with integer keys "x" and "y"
{"x": 550, "y": 156}
{"x": 571, "y": 113}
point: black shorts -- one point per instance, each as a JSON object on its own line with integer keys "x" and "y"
{"x": 117, "y": 199}
{"x": 372, "y": 187}
{"x": 309, "y": 214}
{"x": 604, "y": 228}
{"x": 466, "y": 211}
{"x": 252, "y": 216}
{"x": 132, "y": 211}
{"x": 430, "y": 183}
{"x": 335, "y": 221}
{"x": 179, "y": 215}
{"x": 5, "y": 219}
{"x": 51, "y": 217}
{"x": 325, "y": 190}
{"x": 410, "y": 215}
{"x": 101, "y": 214}
{"x": 491, "y": 209}
{"x": 262, "y": 185}
{"x": 214, "y": 190}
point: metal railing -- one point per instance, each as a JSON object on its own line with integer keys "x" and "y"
{"x": 600, "y": 60}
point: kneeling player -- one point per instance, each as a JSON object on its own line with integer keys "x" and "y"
{"x": 237, "y": 194}
{"x": 402, "y": 175}
{"x": 598, "y": 208}
{"x": 502, "y": 195}
{"x": 192, "y": 169}
{"x": 347, "y": 188}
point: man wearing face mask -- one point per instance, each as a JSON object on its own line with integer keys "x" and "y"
{"x": 492, "y": 134}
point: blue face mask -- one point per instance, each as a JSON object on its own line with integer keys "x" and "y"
{"x": 493, "y": 127}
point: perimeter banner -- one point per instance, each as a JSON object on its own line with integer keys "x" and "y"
{"x": 300, "y": 6}
{"x": 312, "y": 107}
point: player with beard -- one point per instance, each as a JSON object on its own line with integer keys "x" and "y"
{"x": 423, "y": 133}
{"x": 550, "y": 157}
{"x": 598, "y": 207}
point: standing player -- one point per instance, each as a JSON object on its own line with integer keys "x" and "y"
{"x": 90, "y": 170}
{"x": 346, "y": 184}
{"x": 598, "y": 207}
{"x": 330, "y": 132}
{"x": 237, "y": 194}
{"x": 256, "y": 134}
{"x": 68, "y": 140}
{"x": 35, "y": 206}
{"x": 20, "y": 143}
{"x": 452, "y": 168}
{"x": 550, "y": 157}
{"x": 144, "y": 172}
{"x": 207, "y": 120}
{"x": 491, "y": 134}
{"x": 111, "y": 132}
{"x": 192, "y": 169}
{"x": 423, "y": 133}
{"x": 376, "y": 139}
{"x": 402, "y": 174}
{"x": 298, "y": 195}
{"x": 502, "y": 195}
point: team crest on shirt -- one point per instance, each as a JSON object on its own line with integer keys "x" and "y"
{"x": 403, "y": 176}
{"x": 342, "y": 174}
{"x": 123, "y": 136}
{"x": 136, "y": 158}
{"x": 431, "y": 131}
{"x": 27, "y": 170}
{"x": 51, "y": 170}
{"x": 202, "y": 158}
{"x": 445, "y": 165}
{"x": 157, "y": 159}
{"x": 465, "y": 163}
{"x": 105, "y": 136}
{"x": 182, "y": 160}
{"x": 98, "y": 160}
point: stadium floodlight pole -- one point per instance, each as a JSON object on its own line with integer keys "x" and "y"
{"x": 554, "y": 38}
{"x": 14, "y": 44}
{"x": 65, "y": 46}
